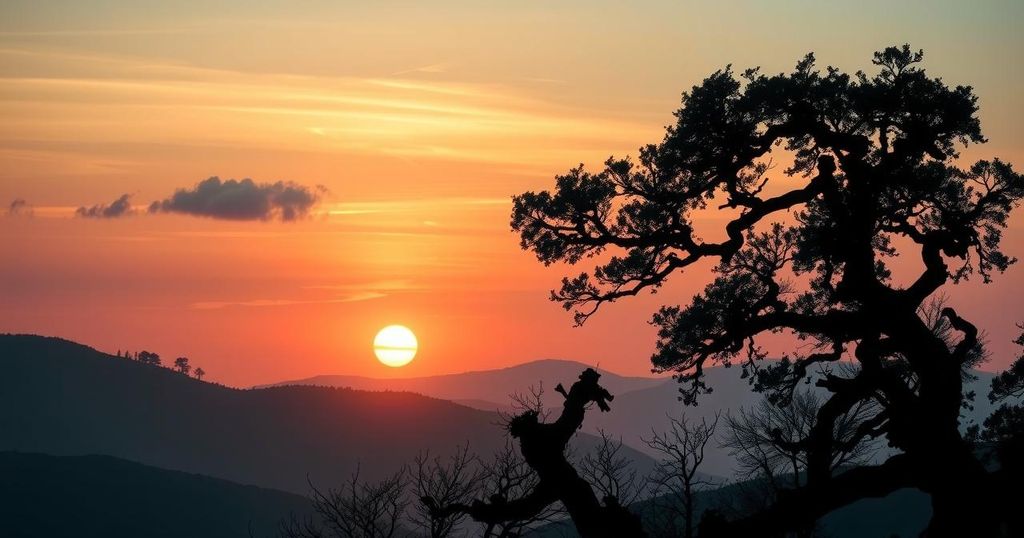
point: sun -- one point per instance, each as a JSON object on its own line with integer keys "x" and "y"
{"x": 395, "y": 345}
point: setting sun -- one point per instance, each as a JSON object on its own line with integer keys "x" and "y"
{"x": 395, "y": 345}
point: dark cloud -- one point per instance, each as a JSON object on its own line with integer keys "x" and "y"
{"x": 19, "y": 208}
{"x": 119, "y": 208}
{"x": 242, "y": 200}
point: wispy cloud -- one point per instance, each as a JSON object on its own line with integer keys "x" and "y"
{"x": 95, "y": 32}
{"x": 398, "y": 116}
{"x": 432, "y": 68}
{"x": 212, "y": 305}
{"x": 370, "y": 287}
{"x": 410, "y": 206}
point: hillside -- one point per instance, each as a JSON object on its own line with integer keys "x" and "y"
{"x": 62, "y": 398}
{"x": 486, "y": 389}
{"x": 641, "y": 403}
{"x": 105, "y": 497}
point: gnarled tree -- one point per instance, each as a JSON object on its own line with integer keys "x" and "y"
{"x": 543, "y": 446}
{"x": 874, "y": 173}
{"x": 445, "y": 481}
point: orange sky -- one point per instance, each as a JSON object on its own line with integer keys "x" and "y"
{"x": 421, "y": 123}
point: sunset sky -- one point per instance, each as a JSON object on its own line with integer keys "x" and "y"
{"x": 419, "y": 120}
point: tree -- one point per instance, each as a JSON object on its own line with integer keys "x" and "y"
{"x": 444, "y": 482}
{"x": 145, "y": 357}
{"x": 507, "y": 476}
{"x": 1003, "y": 434}
{"x": 610, "y": 473}
{"x": 181, "y": 365}
{"x": 1010, "y": 384}
{"x": 543, "y": 446}
{"x": 199, "y": 373}
{"x": 766, "y": 440}
{"x": 874, "y": 174}
{"x": 676, "y": 479}
{"x": 359, "y": 509}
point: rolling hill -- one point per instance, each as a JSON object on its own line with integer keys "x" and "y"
{"x": 486, "y": 389}
{"x": 62, "y": 398}
{"x": 641, "y": 403}
{"x": 106, "y": 497}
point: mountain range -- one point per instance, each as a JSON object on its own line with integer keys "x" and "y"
{"x": 62, "y": 398}
{"x": 642, "y": 405}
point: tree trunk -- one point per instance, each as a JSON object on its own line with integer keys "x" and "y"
{"x": 962, "y": 494}
{"x": 688, "y": 510}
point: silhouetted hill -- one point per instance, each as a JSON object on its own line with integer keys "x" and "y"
{"x": 62, "y": 398}
{"x": 104, "y": 497}
{"x": 486, "y": 389}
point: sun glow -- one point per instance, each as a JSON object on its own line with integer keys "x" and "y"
{"x": 395, "y": 345}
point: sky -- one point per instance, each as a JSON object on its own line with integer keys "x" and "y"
{"x": 390, "y": 137}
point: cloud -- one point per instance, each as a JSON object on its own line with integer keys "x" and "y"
{"x": 213, "y": 305}
{"x": 19, "y": 208}
{"x": 242, "y": 200}
{"x": 119, "y": 208}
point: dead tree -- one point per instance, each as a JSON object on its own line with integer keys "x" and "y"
{"x": 610, "y": 473}
{"x": 766, "y": 440}
{"x": 543, "y": 446}
{"x": 677, "y": 480}
{"x": 358, "y": 509}
{"x": 445, "y": 481}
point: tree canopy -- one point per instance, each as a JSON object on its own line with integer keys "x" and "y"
{"x": 873, "y": 172}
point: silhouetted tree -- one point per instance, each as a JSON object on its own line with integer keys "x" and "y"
{"x": 199, "y": 373}
{"x": 507, "y": 476}
{"x": 543, "y": 446}
{"x": 1010, "y": 383}
{"x": 766, "y": 440}
{"x": 359, "y": 509}
{"x": 873, "y": 175}
{"x": 1003, "y": 434}
{"x": 676, "y": 479}
{"x": 181, "y": 365}
{"x": 456, "y": 479}
{"x": 610, "y": 473}
{"x": 145, "y": 357}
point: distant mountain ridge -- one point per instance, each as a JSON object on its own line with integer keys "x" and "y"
{"x": 62, "y": 398}
{"x": 641, "y": 404}
{"x": 484, "y": 389}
